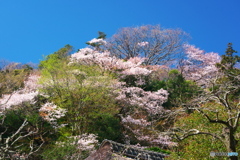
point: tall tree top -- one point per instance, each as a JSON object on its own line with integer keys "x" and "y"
{"x": 229, "y": 60}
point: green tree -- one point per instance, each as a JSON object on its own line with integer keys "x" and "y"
{"x": 180, "y": 90}
{"x": 228, "y": 62}
{"x": 83, "y": 90}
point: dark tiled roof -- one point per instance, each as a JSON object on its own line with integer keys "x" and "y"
{"x": 133, "y": 152}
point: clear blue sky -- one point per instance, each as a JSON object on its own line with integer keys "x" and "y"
{"x": 32, "y": 28}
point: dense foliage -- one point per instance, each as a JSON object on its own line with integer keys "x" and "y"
{"x": 73, "y": 101}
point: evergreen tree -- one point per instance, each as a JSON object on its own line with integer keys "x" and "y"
{"x": 101, "y": 35}
{"x": 228, "y": 62}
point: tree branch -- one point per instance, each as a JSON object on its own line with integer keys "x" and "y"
{"x": 193, "y": 132}
{"x": 211, "y": 120}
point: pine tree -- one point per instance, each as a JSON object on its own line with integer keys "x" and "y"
{"x": 228, "y": 62}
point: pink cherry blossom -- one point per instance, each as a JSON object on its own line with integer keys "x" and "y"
{"x": 136, "y": 60}
{"x": 17, "y": 98}
{"x": 89, "y": 56}
{"x": 25, "y": 94}
{"x": 31, "y": 84}
{"x": 98, "y": 41}
{"x": 150, "y": 101}
{"x": 142, "y": 44}
{"x": 200, "y": 66}
{"x": 50, "y": 112}
{"x": 136, "y": 71}
{"x": 141, "y": 122}
{"x": 163, "y": 139}
{"x": 155, "y": 138}
{"x": 84, "y": 142}
{"x": 87, "y": 141}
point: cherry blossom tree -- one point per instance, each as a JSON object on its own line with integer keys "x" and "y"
{"x": 158, "y": 45}
{"x": 25, "y": 94}
{"x": 149, "y": 101}
{"x": 140, "y": 110}
{"x": 126, "y": 69}
{"x": 105, "y": 61}
{"x": 200, "y": 66}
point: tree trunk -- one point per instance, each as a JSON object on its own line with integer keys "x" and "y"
{"x": 230, "y": 142}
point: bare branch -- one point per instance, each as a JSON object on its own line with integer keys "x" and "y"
{"x": 7, "y": 148}
{"x": 161, "y": 46}
{"x": 211, "y": 120}
{"x": 192, "y": 132}
{"x": 32, "y": 148}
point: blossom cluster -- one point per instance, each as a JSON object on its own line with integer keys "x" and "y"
{"x": 105, "y": 61}
{"x": 50, "y": 112}
{"x": 163, "y": 139}
{"x": 136, "y": 71}
{"x": 142, "y": 44}
{"x": 141, "y": 122}
{"x": 31, "y": 84}
{"x": 124, "y": 68}
{"x": 17, "y": 98}
{"x": 150, "y": 101}
{"x": 84, "y": 142}
{"x": 154, "y": 139}
{"x": 99, "y": 41}
{"x": 200, "y": 66}
{"x": 25, "y": 94}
